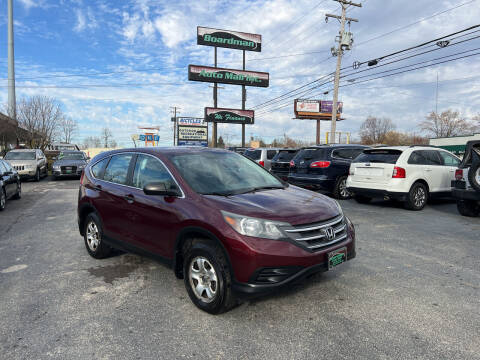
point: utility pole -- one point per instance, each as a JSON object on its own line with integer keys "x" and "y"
{"x": 215, "y": 101}
{"x": 344, "y": 41}
{"x": 174, "y": 108}
{"x": 436, "y": 98}
{"x": 12, "y": 107}
{"x": 244, "y": 99}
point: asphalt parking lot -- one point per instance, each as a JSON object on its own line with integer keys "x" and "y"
{"x": 413, "y": 292}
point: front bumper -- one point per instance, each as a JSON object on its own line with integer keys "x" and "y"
{"x": 298, "y": 274}
{"x": 378, "y": 193}
{"x": 261, "y": 266}
{"x": 27, "y": 173}
{"x": 321, "y": 182}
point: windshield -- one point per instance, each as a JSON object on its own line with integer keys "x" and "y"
{"x": 223, "y": 173}
{"x": 285, "y": 155}
{"x": 20, "y": 155}
{"x": 387, "y": 156}
{"x": 71, "y": 156}
{"x": 253, "y": 154}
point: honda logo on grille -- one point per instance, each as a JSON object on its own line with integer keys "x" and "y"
{"x": 329, "y": 233}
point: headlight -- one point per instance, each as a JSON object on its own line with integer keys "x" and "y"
{"x": 56, "y": 167}
{"x": 248, "y": 226}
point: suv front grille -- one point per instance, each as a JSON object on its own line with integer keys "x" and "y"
{"x": 318, "y": 235}
{"x": 19, "y": 167}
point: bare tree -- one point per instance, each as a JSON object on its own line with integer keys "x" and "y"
{"x": 448, "y": 123}
{"x": 92, "y": 141}
{"x": 41, "y": 117}
{"x": 68, "y": 127}
{"x": 373, "y": 130}
{"x": 106, "y": 135}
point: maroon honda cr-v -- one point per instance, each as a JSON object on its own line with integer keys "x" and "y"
{"x": 224, "y": 224}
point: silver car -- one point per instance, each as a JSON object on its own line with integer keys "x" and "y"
{"x": 29, "y": 163}
{"x": 262, "y": 156}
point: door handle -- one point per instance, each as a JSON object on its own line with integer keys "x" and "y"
{"x": 97, "y": 187}
{"x": 130, "y": 198}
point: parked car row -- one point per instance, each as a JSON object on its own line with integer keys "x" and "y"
{"x": 408, "y": 174}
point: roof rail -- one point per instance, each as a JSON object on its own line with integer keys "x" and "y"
{"x": 418, "y": 145}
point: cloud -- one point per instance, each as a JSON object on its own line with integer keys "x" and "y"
{"x": 85, "y": 20}
{"x": 174, "y": 28}
{"x": 27, "y": 4}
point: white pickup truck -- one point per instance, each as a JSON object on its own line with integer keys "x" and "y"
{"x": 466, "y": 186}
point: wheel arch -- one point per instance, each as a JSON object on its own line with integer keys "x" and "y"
{"x": 192, "y": 232}
{"x": 83, "y": 211}
{"x": 421, "y": 181}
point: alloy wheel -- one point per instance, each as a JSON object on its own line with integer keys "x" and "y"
{"x": 203, "y": 279}
{"x": 419, "y": 197}
{"x": 344, "y": 193}
{"x": 93, "y": 236}
{"x": 477, "y": 175}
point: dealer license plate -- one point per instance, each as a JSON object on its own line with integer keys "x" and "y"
{"x": 337, "y": 257}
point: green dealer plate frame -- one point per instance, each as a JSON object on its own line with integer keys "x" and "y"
{"x": 337, "y": 257}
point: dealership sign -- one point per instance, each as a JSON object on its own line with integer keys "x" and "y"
{"x": 233, "y": 116}
{"x": 188, "y": 120}
{"x": 229, "y": 39}
{"x": 227, "y": 76}
{"x": 192, "y": 135}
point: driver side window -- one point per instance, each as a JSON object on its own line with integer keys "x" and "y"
{"x": 149, "y": 170}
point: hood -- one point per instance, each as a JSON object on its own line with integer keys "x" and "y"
{"x": 22, "y": 162}
{"x": 293, "y": 205}
{"x": 69, "y": 162}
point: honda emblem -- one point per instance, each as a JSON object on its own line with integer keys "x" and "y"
{"x": 329, "y": 233}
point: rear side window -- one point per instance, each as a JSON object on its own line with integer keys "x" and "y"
{"x": 149, "y": 170}
{"x": 285, "y": 156}
{"x": 253, "y": 154}
{"x": 117, "y": 169}
{"x": 97, "y": 169}
{"x": 346, "y": 154}
{"x": 271, "y": 154}
{"x": 385, "y": 156}
{"x": 425, "y": 157}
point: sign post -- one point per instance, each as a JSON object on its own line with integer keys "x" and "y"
{"x": 232, "y": 40}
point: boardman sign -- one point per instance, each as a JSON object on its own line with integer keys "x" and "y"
{"x": 233, "y": 116}
{"x": 227, "y": 76}
{"x": 229, "y": 39}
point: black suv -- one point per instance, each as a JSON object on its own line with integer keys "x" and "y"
{"x": 324, "y": 167}
{"x": 281, "y": 163}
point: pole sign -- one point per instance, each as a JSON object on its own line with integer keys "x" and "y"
{"x": 227, "y": 76}
{"x": 229, "y": 39}
{"x": 192, "y": 135}
{"x": 232, "y": 116}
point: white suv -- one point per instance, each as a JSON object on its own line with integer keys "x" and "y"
{"x": 409, "y": 174}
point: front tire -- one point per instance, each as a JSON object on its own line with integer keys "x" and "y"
{"x": 93, "y": 236}
{"x": 18, "y": 194}
{"x": 417, "y": 197}
{"x": 37, "y": 175}
{"x": 468, "y": 208}
{"x": 3, "y": 199}
{"x": 207, "y": 276}
{"x": 341, "y": 192}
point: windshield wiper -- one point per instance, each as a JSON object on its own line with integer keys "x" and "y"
{"x": 217, "y": 193}
{"x": 259, "y": 188}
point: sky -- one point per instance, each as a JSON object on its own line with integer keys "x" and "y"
{"x": 123, "y": 64}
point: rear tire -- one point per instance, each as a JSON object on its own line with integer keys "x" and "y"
{"x": 341, "y": 192}
{"x": 474, "y": 176}
{"x": 362, "y": 199}
{"x": 93, "y": 236}
{"x": 417, "y": 197}
{"x": 469, "y": 208}
{"x": 207, "y": 277}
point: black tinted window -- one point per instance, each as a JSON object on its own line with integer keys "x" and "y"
{"x": 387, "y": 156}
{"x": 342, "y": 153}
{"x": 311, "y": 153}
{"x": 97, "y": 169}
{"x": 425, "y": 157}
{"x": 253, "y": 154}
{"x": 271, "y": 154}
{"x": 117, "y": 169}
{"x": 285, "y": 156}
{"x": 149, "y": 170}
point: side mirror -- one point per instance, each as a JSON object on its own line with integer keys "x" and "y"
{"x": 160, "y": 189}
